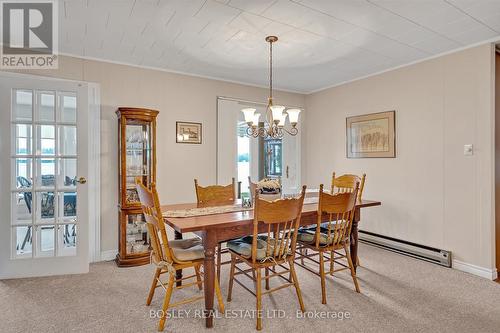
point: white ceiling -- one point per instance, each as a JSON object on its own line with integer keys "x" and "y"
{"x": 321, "y": 42}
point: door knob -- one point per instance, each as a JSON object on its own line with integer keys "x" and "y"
{"x": 287, "y": 169}
{"x": 81, "y": 180}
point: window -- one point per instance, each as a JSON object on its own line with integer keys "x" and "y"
{"x": 273, "y": 158}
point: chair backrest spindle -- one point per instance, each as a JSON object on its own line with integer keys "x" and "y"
{"x": 347, "y": 183}
{"x": 340, "y": 209}
{"x": 282, "y": 218}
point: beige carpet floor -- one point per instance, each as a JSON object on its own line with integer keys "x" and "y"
{"x": 399, "y": 294}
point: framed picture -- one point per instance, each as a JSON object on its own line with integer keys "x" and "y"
{"x": 371, "y": 135}
{"x": 188, "y": 132}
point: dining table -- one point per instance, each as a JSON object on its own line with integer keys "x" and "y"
{"x": 214, "y": 228}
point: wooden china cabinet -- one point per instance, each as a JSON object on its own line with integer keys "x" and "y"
{"x": 137, "y": 158}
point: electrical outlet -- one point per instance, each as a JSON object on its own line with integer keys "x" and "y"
{"x": 468, "y": 150}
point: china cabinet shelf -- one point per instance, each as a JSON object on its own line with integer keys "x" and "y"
{"x": 137, "y": 158}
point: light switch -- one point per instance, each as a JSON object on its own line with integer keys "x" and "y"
{"x": 468, "y": 150}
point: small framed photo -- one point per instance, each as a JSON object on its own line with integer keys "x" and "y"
{"x": 371, "y": 135}
{"x": 188, "y": 132}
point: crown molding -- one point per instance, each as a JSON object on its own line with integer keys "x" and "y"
{"x": 171, "y": 71}
{"x": 493, "y": 40}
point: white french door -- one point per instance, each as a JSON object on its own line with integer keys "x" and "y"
{"x": 44, "y": 166}
{"x": 290, "y": 178}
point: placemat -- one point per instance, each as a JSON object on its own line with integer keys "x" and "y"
{"x": 191, "y": 212}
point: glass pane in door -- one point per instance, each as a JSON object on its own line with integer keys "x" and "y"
{"x": 273, "y": 158}
{"x": 46, "y": 106}
{"x": 21, "y": 208}
{"x": 22, "y": 105}
{"x": 23, "y": 173}
{"x": 138, "y": 159}
{"x": 67, "y": 237}
{"x": 66, "y": 176}
{"x": 137, "y": 236}
{"x": 68, "y": 108}
{"x": 45, "y": 240}
{"x": 23, "y": 140}
{"x": 46, "y": 140}
{"x": 46, "y": 170}
{"x": 45, "y": 207}
{"x": 67, "y": 140}
{"x": 23, "y": 241}
{"x": 67, "y": 204}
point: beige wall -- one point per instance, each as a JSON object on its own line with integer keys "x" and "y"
{"x": 432, "y": 194}
{"x": 178, "y": 98}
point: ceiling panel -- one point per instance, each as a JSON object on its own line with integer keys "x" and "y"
{"x": 321, "y": 42}
{"x": 254, "y": 6}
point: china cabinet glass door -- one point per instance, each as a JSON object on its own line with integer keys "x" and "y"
{"x": 138, "y": 158}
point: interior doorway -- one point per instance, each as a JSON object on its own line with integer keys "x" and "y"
{"x": 240, "y": 156}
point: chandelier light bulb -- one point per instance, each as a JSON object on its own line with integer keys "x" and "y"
{"x": 294, "y": 116}
{"x": 255, "y": 120}
{"x": 277, "y": 112}
{"x": 248, "y": 113}
{"x": 282, "y": 120}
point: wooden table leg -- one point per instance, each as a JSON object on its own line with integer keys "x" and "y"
{"x": 354, "y": 238}
{"x": 209, "y": 244}
{"x": 178, "y": 273}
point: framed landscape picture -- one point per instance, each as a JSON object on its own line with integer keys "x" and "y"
{"x": 188, "y": 132}
{"x": 371, "y": 135}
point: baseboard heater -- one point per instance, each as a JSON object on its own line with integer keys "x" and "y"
{"x": 427, "y": 253}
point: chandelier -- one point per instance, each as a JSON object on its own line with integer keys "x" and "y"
{"x": 273, "y": 126}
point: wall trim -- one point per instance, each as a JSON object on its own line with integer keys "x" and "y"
{"x": 94, "y": 170}
{"x": 463, "y": 48}
{"x": 172, "y": 71}
{"x": 487, "y": 273}
{"x": 108, "y": 255}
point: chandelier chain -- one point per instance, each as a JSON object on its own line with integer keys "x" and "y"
{"x": 270, "y": 72}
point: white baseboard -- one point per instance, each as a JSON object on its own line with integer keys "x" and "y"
{"x": 108, "y": 255}
{"x": 487, "y": 273}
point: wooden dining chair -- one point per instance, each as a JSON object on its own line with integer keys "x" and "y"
{"x": 169, "y": 256}
{"x": 216, "y": 195}
{"x": 347, "y": 183}
{"x": 271, "y": 251}
{"x": 332, "y": 238}
{"x": 251, "y": 187}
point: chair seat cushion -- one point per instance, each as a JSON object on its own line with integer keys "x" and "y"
{"x": 243, "y": 246}
{"x": 187, "y": 249}
{"x": 306, "y": 235}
